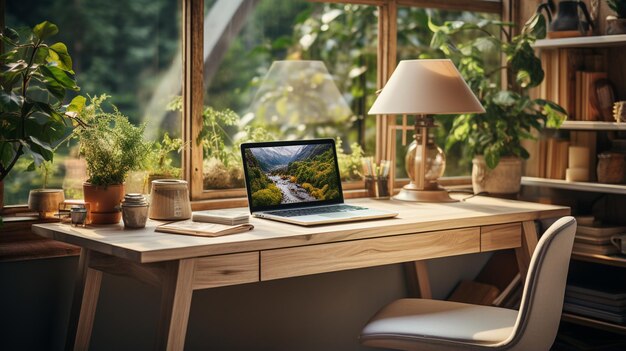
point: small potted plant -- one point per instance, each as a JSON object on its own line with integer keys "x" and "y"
{"x": 616, "y": 24}
{"x": 494, "y": 138}
{"x": 45, "y": 201}
{"x": 112, "y": 147}
{"x": 35, "y": 77}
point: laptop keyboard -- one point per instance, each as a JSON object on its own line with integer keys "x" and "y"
{"x": 316, "y": 210}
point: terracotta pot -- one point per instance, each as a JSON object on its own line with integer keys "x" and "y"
{"x": 506, "y": 178}
{"x": 104, "y": 202}
{"x": 45, "y": 201}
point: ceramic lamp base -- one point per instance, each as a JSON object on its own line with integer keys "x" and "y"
{"x": 410, "y": 194}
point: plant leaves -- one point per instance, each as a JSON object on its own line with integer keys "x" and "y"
{"x": 61, "y": 76}
{"x": 77, "y": 104}
{"x": 45, "y": 29}
{"x": 10, "y": 36}
{"x": 10, "y": 102}
{"x": 63, "y": 59}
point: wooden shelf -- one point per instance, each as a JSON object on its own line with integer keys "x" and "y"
{"x": 615, "y": 260}
{"x": 589, "y": 322}
{"x": 582, "y": 42}
{"x": 579, "y": 186}
{"x": 592, "y": 125}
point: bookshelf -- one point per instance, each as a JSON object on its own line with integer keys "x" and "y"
{"x": 593, "y": 125}
{"x": 613, "y": 260}
{"x": 578, "y": 186}
{"x": 594, "y": 323}
{"x": 596, "y": 41}
{"x": 572, "y": 67}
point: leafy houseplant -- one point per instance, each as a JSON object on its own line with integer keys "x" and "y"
{"x": 34, "y": 80}
{"x": 112, "y": 147}
{"x": 616, "y": 24}
{"x": 511, "y": 115}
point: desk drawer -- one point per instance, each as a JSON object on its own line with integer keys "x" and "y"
{"x": 500, "y": 236}
{"x": 304, "y": 260}
{"x": 214, "y": 271}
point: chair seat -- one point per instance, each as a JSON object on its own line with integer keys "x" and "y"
{"x": 439, "y": 322}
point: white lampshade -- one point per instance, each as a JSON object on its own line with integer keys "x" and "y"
{"x": 427, "y": 87}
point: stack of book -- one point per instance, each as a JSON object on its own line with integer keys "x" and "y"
{"x": 596, "y": 239}
{"x": 598, "y": 296}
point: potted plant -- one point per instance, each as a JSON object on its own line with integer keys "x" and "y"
{"x": 112, "y": 147}
{"x": 45, "y": 201}
{"x": 616, "y": 24}
{"x": 34, "y": 79}
{"x": 494, "y": 138}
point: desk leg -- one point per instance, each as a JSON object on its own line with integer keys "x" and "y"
{"x": 417, "y": 279}
{"x": 525, "y": 252}
{"x": 176, "y": 295}
{"x": 84, "y": 305}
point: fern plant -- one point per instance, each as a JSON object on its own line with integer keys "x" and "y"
{"x": 110, "y": 144}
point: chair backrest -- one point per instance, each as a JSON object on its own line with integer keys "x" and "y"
{"x": 542, "y": 300}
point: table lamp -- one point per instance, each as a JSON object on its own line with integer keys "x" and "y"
{"x": 425, "y": 88}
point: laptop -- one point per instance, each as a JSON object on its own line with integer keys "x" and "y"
{"x": 298, "y": 182}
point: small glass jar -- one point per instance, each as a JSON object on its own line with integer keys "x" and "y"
{"x": 78, "y": 215}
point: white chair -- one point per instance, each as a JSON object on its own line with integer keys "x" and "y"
{"x": 422, "y": 324}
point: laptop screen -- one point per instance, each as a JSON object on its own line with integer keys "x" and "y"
{"x": 288, "y": 174}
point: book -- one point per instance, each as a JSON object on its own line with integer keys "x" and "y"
{"x": 594, "y": 249}
{"x": 228, "y": 217}
{"x": 599, "y": 231}
{"x": 189, "y": 227}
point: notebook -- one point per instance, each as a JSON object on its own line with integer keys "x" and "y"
{"x": 298, "y": 182}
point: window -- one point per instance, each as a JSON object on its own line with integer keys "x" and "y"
{"x": 280, "y": 70}
{"x": 414, "y": 39}
{"x": 133, "y": 52}
{"x": 129, "y": 50}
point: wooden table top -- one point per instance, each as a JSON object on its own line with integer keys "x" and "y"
{"x": 146, "y": 245}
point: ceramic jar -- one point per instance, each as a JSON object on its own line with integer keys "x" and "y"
{"x": 611, "y": 166}
{"x": 134, "y": 211}
{"x": 170, "y": 200}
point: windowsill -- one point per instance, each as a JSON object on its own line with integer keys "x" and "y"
{"x": 18, "y": 243}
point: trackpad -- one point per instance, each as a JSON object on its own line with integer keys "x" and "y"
{"x": 336, "y": 215}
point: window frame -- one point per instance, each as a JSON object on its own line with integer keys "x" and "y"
{"x": 192, "y": 89}
{"x": 193, "y": 93}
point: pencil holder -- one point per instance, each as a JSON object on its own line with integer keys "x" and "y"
{"x": 377, "y": 187}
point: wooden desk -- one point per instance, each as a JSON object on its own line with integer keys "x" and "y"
{"x": 180, "y": 264}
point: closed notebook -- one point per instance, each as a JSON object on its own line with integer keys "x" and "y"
{"x": 229, "y": 217}
{"x": 190, "y": 227}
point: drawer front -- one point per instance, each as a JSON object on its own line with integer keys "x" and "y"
{"x": 304, "y": 260}
{"x": 500, "y": 236}
{"x": 214, "y": 271}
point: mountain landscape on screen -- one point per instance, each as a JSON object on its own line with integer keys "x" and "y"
{"x": 291, "y": 174}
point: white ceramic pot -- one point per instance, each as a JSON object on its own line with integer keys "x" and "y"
{"x": 506, "y": 178}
